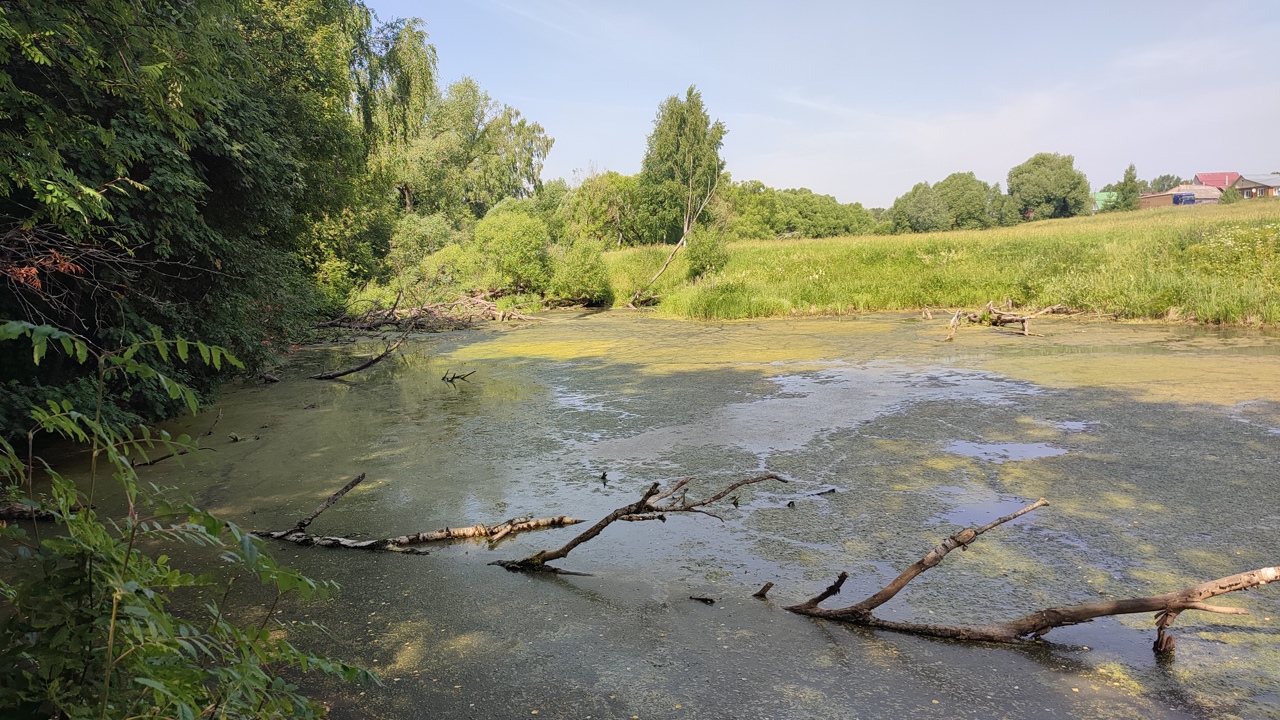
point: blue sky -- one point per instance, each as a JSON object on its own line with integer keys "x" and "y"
{"x": 862, "y": 101}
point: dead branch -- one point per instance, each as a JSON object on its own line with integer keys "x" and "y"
{"x": 335, "y": 374}
{"x": 404, "y": 543}
{"x": 304, "y": 522}
{"x": 995, "y": 317}
{"x": 18, "y": 511}
{"x": 648, "y": 507}
{"x": 408, "y": 543}
{"x": 1036, "y": 624}
{"x": 450, "y": 315}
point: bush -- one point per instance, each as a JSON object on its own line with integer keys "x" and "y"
{"x": 706, "y": 252}
{"x": 88, "y": 625}
{"x": 514, "y": 247}
{"x": 417, "y": 236}
{"x": 581, "y": 277}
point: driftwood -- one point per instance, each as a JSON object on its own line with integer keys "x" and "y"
{"x": 392, "y": 347}
{"x": 1034, "y": 625}
{"x": 406, "y": 543}
{"x": 650, "y": 506}
{"x": 995, "y": 317}
{"x": 451, "y": 315}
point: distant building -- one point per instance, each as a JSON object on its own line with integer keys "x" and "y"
{"x": 1256, "y": 186}
{"x": 1187, "y": 194}
{"x": 1103, "y": 199}
{"x": 1220, "y": 180}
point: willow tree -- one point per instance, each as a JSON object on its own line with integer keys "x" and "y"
{"x": 681, "y": 169}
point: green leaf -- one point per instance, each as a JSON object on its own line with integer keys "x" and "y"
{"x": 181, "y": 346}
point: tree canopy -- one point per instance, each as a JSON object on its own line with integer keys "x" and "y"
{"x": 1048, "y": 186}
{"x": 682, "y": 165}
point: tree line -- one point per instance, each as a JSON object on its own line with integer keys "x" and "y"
{"x": 232, "y": 171}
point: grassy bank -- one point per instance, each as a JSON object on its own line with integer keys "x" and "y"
{"x": 1211, "y": 263}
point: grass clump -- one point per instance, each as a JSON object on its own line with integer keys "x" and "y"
{"x": 1216, "y": 264}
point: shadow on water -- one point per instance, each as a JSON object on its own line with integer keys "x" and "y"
{"x": 1160, "y": 474}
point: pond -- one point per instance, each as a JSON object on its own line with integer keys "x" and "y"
{"x": 1156, "y": 445}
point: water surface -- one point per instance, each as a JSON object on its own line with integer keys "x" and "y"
{"x": 1156, "y": 446}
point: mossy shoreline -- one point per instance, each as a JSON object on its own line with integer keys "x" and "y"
{"x": 1210, "y": 264}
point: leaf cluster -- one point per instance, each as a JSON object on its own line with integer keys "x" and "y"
{"x": 90, "y": 627}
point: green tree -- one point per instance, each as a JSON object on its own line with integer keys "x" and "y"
{"x": 921, "y": 209}
{"x": 1048, "y": 186}
{"x": 1165, "y": 183}
{"x": 1128, "y": 190}
{"x": 967, "y": 200}
{"x": 514, "y": 246}
{"x": 1229, "y": 196}
{"x": 681, "y": 169}
{"x": 164, "y": 164}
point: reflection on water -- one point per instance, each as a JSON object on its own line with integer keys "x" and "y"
{"x": 1003, "y": 452}
{"x": 1160, "y": 487}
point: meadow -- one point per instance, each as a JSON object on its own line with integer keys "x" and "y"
{"x": 1212, "y": 264}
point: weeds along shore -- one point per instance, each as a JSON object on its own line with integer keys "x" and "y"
{"x": 1212, "y": 264}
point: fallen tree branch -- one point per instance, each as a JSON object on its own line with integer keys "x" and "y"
{"x": 404, "y": 543}
{"x": 408, "y": 543}
{"x": 335, "y": 374}
{"x": 449, "y": 315}
{"x": 1036, "y": 624}
{"x": 648, "y": 507}
{"x": 995, "y": 317}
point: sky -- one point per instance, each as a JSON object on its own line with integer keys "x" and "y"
{"x": 863, "y": 101}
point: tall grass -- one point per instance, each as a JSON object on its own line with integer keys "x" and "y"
{"x": 1211, "y": 263}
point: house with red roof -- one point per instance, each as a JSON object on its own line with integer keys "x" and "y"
{"x": 1220, "y": 180}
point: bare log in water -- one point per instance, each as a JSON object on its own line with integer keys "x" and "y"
{"x": 409, "y": 543}
{"x": 650, "y": 506}
{"x": 405, "y": 543}
{"x": 1036, "y": 624}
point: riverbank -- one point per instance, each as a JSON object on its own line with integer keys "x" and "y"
{"x": 1211, "y": 264}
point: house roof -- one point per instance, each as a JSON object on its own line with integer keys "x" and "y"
{"x": 1202, "y": 192}
{"x": 1217, "y": 179}
{"x": 1272, "y": 180}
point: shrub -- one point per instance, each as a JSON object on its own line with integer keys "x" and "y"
{"x": 580, "y": 276}
{"x": 89, "y": 628}
{"x": 706, "y": 252}
{"x": 514, "y": 247}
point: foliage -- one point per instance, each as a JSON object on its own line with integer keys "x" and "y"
{"x": 417, "y": 236}
{"x": 1048, "y": 186}
{"x": 604, "y": 207}
{"x": 514, "y": 248}
{"x": 968, "y": 201}
{"x": 757, "y": 211}
{"x": 469, "y": 154}
{"x": 681, "y": 167}
{"x": 580, "y": 276}
{"x": 706, "y": 253}
{"x": 1218, "y": 264}
{"x": 1127, "y": 192}
{"x": 1165, "y": 183}
{"x": 89, "y": 626}
{"x": 921, "y": 209}
{"x": 164, "y": 163}
{"x": 1229, "y": 196}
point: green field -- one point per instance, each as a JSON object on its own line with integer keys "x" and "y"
{"x": 1216, "y": 264}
